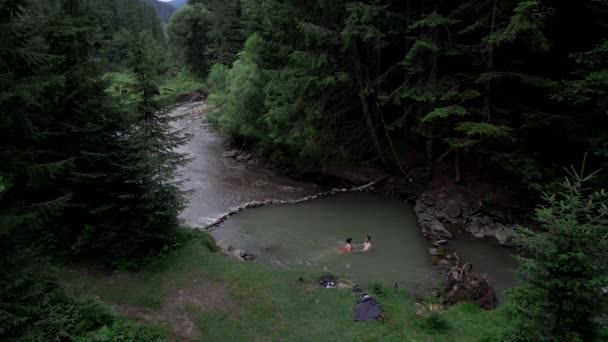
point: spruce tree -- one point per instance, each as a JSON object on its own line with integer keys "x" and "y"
{"x": 153, "y": 198}
{"x": 564, "y": 267}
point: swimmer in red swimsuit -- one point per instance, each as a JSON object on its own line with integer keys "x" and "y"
{"x": 347, "y": 247}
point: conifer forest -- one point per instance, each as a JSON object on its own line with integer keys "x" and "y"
{"x": 482, "y": 118}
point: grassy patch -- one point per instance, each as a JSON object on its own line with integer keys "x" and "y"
{"x": 170, "y": 88}
{"x": 275, "y": 305}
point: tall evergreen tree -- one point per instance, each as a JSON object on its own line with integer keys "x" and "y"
{"x": 564, "y": 267}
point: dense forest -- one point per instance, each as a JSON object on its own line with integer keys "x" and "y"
{"x": 500, "y": 90}
{"x": 508, "y": 88}
{"x": 84, "y": 175}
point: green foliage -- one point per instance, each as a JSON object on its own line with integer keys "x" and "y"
{"x": 433, "y": 319}
{"x": 263, "y": 303}
{"x": 76, "y": 189}
{"x": 237, "y": 95}
{"x": 526, "y": 25}
{"x": 444, "y": 113}
{"x": 431, "y": 21}
{"x": 484, "y": 130}
{"x": 434, "y": 322}
{"x": 376, "y": 288}
{"x": 34, "y": 307}
{"x": 563, "y": 268}
{"x": 204, "y": 33}
{"x": 468, "y": 73}
{"x": 124, "y": 331}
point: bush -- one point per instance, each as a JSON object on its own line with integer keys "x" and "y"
{"x": 237, "y": 95}
{"x": 377, "y": 288}
{"x": 175, "y": 239}
{"x": 124, "y": 331}
{"x": 433, "y": 320}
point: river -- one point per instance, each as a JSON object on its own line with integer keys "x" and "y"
{"x": 308, "y": 235}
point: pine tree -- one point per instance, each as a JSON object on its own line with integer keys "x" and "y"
{"x": 564, "y": 267}
{"x": 152, "y": 193}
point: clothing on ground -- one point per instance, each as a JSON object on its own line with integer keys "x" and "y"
{"x": 367, "y": 309}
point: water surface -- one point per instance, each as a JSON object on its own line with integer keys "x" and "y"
{"x": 217, "y": 183}
{"x": 498, "y": 262}
{"x": 308, "y": 235}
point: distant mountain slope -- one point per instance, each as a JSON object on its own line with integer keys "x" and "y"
{"x": 178, "y": 3}
{"x": 163, "y": 9}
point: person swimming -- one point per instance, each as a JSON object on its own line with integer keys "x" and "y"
{"x": 347, "y": 247}
{"x": 367, "y": 244}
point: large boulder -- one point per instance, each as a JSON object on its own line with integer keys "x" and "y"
{"x": 503, "y": 235}
{"x": 481, "y": 226}
{"x": 441, "y": 208}
{"x": 224, "y": 245}
{"x": 453, "y": 209}
{"x": 238, "y": 254}
{"x": 431, "y": 227}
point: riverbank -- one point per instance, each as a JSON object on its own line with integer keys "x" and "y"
{"x": 224, "y": 181}
{"x": 195, "y": 293}
{"x": 445, "y": 210}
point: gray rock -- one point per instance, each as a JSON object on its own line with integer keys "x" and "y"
{"x": 427, "y": 199}
{"x": 439, "y": 230}
{"x": 230, "y": 154}
{"x": 423, "y": 217}
{"x": 248, "y": 257}
{"x": 238, "y": 254}
{"x": 480, "y": 226}
{"x": 440, "y": 242}
{"x": 439, "y": 252}
{"x": 453, "y": 209}
{"x": 243, "y": 157}
{"x": 224, "y": 245}
{"x": 485, "y": 231}
{"x": 502, "y": 234}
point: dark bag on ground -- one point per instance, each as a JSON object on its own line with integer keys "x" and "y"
{"x": 367, "y": 309}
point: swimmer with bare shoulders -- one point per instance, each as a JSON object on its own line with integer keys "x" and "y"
{"x": 367, "y": 244}
{"x": 347, "y": 247}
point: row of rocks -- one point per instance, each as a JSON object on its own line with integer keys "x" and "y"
{"x": 442, "y": 212}
{"x": 256, "y": 204}
{"x": 234, "y": 253}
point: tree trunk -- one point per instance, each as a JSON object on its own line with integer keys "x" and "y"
{"x": 429, "y": 155}
{"x": 487, "y": 100}
{"x": 457, "y": 175}
{"x": 362, "y": 82}
{"x": 433, "y": 82}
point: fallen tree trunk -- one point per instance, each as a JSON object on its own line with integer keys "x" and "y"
{"x": 256, "y": 204}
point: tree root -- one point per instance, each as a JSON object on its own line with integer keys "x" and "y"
{"x": 464, "y": 285}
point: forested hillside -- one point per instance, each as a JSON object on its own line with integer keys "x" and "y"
{"x": 465, "y": 92}
{"x": 502, "y": 87}
{"x": 163, "y": 9}
{"x": 85, "y": 175}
